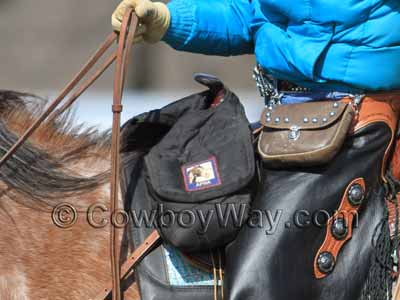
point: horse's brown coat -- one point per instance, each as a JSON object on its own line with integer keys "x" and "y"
{"x": 39, "y": 260}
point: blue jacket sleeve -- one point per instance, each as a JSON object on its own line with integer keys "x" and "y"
{"x": 213, "y": 27}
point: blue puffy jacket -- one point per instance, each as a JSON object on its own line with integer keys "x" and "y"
{"x": 346, "y": 45}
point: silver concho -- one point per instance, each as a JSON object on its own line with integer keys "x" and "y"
{"x": 294, "y": 133}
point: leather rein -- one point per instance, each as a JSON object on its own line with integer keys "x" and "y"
{"x": 57, "y": 107}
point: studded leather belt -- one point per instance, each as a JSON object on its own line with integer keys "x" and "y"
{"x": 287, "y": 86}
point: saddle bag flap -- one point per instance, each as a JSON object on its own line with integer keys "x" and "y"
{"x": 304, "y": 134}
{"x": 206, "y": 154}
{"x": 205, "y": 163}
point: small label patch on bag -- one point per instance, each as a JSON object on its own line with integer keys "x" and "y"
{"x": 201, "y": 175}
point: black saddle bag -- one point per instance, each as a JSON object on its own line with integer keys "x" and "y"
{"x": 199, "y": 175}
{"x": 159, "y": 150}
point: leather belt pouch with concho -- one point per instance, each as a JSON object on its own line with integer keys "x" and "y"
{"x": 305, "y": 134}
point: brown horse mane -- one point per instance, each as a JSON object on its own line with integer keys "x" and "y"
{"x": 48, "y": 167}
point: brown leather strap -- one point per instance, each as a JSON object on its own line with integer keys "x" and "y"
{"x": 84, "y": 87}
{"x": 68, "y": 88}
{"x": 384, "y": 108}
{"x": 151, "y": 242}
{"x": 124, "y": 46}
{"x": 122, "y": 56}
{"x": 332, "y": 244}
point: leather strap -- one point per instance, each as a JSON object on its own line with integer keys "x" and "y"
{"x": 382, "y": 107}
{"x": 84, "y": 87}
{"x": 125, "y": 42}
{"x": 68, "y": 88}
{"x": 151, "y": 242}
{"x": 332, "y": 244}
{"x": 123, "y": 53}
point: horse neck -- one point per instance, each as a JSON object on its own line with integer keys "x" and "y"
{"x": 39, "y": 258}
{"x": 36, "y": 253}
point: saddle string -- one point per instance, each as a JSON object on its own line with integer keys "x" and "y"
{"x": 221, "y": 274}
{"x": 217, "y": 274}
{"x": 379, "y": 281}
{"x": 383, "y": 270}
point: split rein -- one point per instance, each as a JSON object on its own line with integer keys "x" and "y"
{"x": 121, "y": 56}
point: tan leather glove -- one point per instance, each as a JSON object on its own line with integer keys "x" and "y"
{"x": 154, "y": 19}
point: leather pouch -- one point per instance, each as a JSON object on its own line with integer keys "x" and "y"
{"x": 304, "y": 134}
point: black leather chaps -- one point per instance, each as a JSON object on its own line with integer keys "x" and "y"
{"x": 278, "y": 265}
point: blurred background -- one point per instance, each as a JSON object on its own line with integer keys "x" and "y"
{"x": 43, "y": 43}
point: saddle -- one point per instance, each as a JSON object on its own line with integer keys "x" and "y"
{"x": 168, "y": 272}
{"x": 185, "y": 134}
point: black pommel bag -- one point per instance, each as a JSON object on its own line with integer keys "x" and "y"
{"x": 200, "y": 165}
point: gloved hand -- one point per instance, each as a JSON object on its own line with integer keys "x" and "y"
{"x": 154, "y": 19}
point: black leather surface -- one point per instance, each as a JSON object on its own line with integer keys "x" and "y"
{"x": 151, "y": 273}
{"x": 280, "y": 266}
